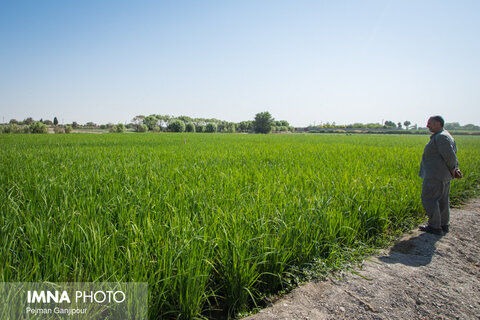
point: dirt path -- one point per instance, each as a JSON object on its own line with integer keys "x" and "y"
{"x": 423, "y": 276}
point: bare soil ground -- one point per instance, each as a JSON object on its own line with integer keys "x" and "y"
{"x": 422, "y": 276}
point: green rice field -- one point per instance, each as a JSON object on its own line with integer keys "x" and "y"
{"x": 217, "y": 222}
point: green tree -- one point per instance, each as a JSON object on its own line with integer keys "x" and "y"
{"x": 11, "y": 128}
{"x": 211, "y": 127}
{"x": 118, "y": 128}
{"x": 190, "y": 127}
{"x": 55, "y": 121}
{"x": 37, "y": 127}
{"x": 28, "y": 121}
{"x": 470, "y": 126}
{"x": 163, "y": 120}
{"x": 141, "y": 128}
{"x": 185, "y": 119}
{"x": 263, "y": 122}
{"x": 200, "y": 128}
{"x": 138, "y": 119}
{"x": 150, "y": 121}
{"x": 452, "y": 125}
{"x": 176, "y": 125}
{"x": 407, "y": 124}
{"x": 389, "y": 125}
{"x": 373, "y": 126}
{"x": 356, "y": 125}
{"x": 245, "y": 126}
{"x": 230, "y": 128}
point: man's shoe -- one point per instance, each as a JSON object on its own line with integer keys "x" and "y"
{"x": 431, "y": 230}
{"x": 445, "y": 229}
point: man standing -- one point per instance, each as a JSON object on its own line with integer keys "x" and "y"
{"x": 439, "y": 166}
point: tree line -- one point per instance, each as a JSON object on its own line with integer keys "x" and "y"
{"x": 262, "y": 123}
{"x": 358, "y": 125}
{"x": 407, "y": 125}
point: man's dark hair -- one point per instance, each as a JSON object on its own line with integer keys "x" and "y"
{"x": 438, "y": 119}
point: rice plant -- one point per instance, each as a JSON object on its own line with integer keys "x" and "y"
{"x": 213, "y": 223}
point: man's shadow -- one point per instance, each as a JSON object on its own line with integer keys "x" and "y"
{"x": 416, "y": 251}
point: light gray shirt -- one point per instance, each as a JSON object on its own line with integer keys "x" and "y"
{"x": 439, "y": 157}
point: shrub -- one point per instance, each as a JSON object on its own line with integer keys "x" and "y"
{"x": 58, "y": 129}
{"x": 11, "y": 128}
{"x": 156, "y": 129}
{"x": 200, "y": 128}
{"x": 230, "y": 128}
{"x": 190, "y": 127}
{"x": 118, "y": 128}
{"x": 176, "y": 126}
{"x": 141, "y": 128}
{"x": 211, "y": 127}
{"x": 68, "y": 129}
{"x": 38, "y": 127}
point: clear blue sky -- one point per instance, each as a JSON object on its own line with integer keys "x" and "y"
{"x": 304, "y": 61}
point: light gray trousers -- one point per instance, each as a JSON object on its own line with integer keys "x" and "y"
{"x": 436, "y": 203}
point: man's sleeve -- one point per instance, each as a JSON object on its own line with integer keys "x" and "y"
{"x": 447, "y": 151}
